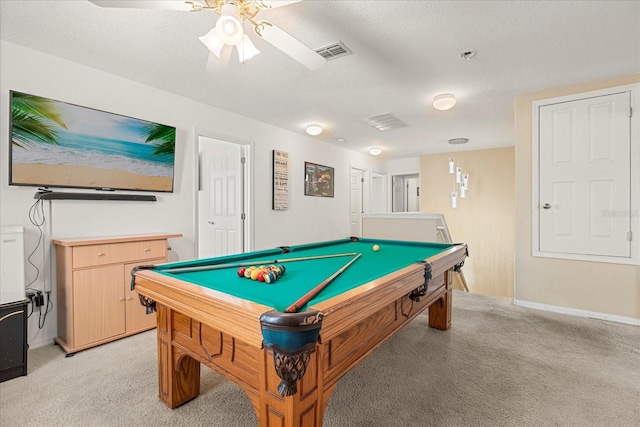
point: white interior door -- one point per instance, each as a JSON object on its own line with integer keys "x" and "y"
{"x": 357, "y": 178}
{"x": 220, "y": 198}
{"x": 584, "y": 151}
{"x": 413, "y": 197}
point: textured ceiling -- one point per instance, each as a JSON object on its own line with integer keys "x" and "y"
{"x": 404, "y": 54}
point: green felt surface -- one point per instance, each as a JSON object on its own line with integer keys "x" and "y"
{"x": 302, "y": 276}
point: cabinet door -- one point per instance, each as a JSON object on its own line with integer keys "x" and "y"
{"x": 137, "y": 318}
{"x": 98, "y": 304}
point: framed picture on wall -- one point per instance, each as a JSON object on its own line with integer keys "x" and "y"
{"x": 318, "y": 180}
{"x": 280, "y": 201}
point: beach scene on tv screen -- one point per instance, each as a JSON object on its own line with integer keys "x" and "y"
{"x": 58, "y": 144}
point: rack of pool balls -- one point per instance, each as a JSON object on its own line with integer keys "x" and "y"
{"x": 262, "y": 274}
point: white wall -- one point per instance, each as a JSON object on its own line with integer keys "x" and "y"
{"x": 403, "y": 166}
{"x": 308, "y": 218}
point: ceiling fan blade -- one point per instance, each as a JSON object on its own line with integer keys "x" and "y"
{"x": 271, "y": 4}
{"x": 289, "y": 45}
{"x": 153, "y": 4}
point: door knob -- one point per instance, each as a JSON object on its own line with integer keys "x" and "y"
{"x": 546, "y": 206}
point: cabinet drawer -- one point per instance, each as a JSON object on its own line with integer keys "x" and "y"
{"x": 92, "y": 255}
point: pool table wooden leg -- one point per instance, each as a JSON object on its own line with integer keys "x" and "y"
{"x": 178, "y": 373}
{"x": 440, "y": 312}
{"x": 303, "y": 409}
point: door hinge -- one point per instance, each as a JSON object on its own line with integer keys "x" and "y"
{"x": 630, "y": 236}
{"x": 243, "y": 216}
{"x": 243, "y": 160}
{"x": 630, "y": 112}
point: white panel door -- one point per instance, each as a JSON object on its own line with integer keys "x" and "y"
{"x": 220, "y": 224}
{"x": 413, "y": 195}
{"x": 357, "y": 176}
{"x": 585, "y": 169}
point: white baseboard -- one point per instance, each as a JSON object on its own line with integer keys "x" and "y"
{"x": 577, "y": 312}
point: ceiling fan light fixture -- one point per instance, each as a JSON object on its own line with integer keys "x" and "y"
{"x": 229, "y": 25}
{"x": 213, "y": 42}
{"x": 444, "y": 101}
{"x": 246, "y": 49}
{"x": 314, "y": 130}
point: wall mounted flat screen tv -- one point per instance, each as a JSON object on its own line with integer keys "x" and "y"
{"x": 57, "y": 144}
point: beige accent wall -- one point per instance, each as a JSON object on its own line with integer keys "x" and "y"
{"x": 485, "y": 220}
{"x": 591, "y": 286}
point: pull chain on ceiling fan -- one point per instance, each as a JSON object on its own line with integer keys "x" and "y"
{"x": 228, "y": 31}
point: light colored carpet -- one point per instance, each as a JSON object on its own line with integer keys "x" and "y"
{"x": 499, "y": 365}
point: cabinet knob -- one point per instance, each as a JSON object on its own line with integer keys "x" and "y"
{"x": 147, "y": 250}
{"x": 121, "y": 299}
{"x": 129, "y": 299}
{"x": 100, "y": 253}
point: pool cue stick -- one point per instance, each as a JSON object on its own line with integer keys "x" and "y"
{"x": 313, "y": 292}
{"x": 242, "y": 264}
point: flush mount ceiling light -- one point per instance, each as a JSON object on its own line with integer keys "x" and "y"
{"x": 375, "y": 151}
{"x": 314, "y": 130}
{"x": 228, "y": 31}
{"x": 444, "y": 101}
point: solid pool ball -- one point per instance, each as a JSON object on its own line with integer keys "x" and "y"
{"x": 376, "y": 248}
{"x": 241, "y": 271}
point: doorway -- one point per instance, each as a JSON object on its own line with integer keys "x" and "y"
{"x": 222, "y": 171}
{"x": 405, "y": 193}
{"x": 357, "y": 201}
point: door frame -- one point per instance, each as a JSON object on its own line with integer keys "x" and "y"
{"x": 248, "y": 186}
{"x": 634, "y": 90}
{"x": 390, "y": 178}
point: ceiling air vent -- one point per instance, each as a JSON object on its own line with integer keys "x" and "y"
{"x": 333, "y": 51}
{"x": 384, "y": 122}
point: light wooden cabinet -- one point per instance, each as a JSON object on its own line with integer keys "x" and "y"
{"x": 95, "y": 301}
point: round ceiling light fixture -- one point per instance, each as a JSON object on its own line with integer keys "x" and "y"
{"x": 375, "y": 151}
{"x": 444, "y": 101}
{"x": 314, "y": 130}
{"x": 457, "y": 141}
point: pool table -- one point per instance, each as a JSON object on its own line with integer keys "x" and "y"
{"x": 289, "y": 361}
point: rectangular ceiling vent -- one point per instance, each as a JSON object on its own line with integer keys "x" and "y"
{"x": 384, "y": 122}
{"x": 333, "y": 51}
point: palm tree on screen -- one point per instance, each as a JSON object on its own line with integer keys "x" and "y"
{"x": 166, "y": 137}
{"x": 34, "y": 120}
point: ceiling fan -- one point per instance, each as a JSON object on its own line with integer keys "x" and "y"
{"x": 228, "y": 31}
